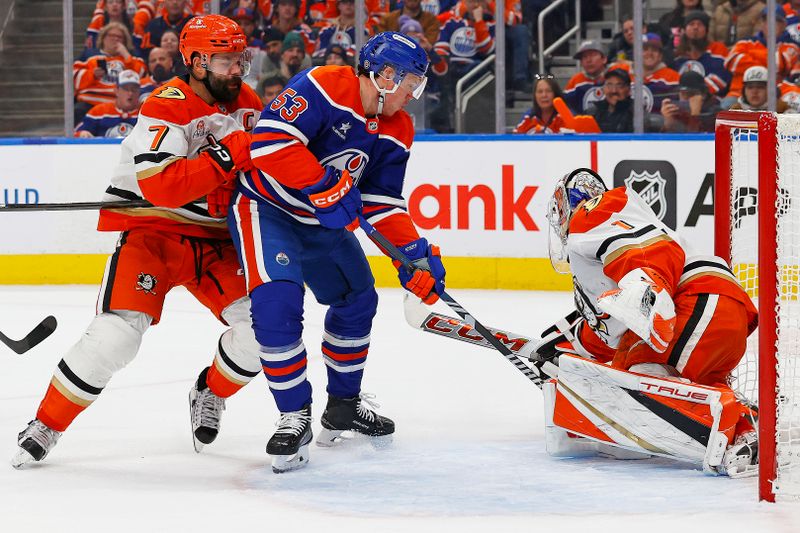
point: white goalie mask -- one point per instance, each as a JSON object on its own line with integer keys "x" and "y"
{"x": 579, "y": 185}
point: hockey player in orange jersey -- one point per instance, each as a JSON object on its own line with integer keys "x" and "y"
{"x": 183, "y": 156}
{"x": 643, "y": 364}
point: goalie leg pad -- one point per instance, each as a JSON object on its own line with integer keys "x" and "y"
{"x": 110, "y": 342}
{"x": 645, "y": 414}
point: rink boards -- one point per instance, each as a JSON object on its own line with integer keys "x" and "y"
{"x": 482, "y": 199}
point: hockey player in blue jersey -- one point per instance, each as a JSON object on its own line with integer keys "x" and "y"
{"x": 334, "y": 144}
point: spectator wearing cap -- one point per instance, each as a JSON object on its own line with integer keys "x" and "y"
{"x": 174, "y": 17}
{"x": 614, "y": 113}
{"x": 755, "y": 92}
{"x": 696, "y": 53}
{"x": 671, "y": 24}
{"x": 586, "y": 86}
{"x": 293, "y": 54}
{"x": 543, "y": 117}
{"x": 117, "y": 118}
{"x": 286, "y": 18}
{"x": 696, "y": 108}
{"x": 753, "y": 52}
{"x": 735, "y": 20}
{"x": 269, "y": 88}
{"x": 95, "y": 74}
{"x": 660, "y": 81}
{"x": 341, "y": 31}
{"x": 337, "y": 56}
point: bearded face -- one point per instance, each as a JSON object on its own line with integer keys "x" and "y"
{"x": 223, "y": 88}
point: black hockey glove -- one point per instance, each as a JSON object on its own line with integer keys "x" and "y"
{"x": 557, "y": 339}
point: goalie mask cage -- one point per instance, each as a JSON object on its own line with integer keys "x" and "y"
{"x": 757, "y": 228}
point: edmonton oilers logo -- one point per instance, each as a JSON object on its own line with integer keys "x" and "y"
{"x": 352, "y": 160}
{"x": 462, "y": 43}
{"x": 693, "y": 66}
{"x": 342, "y": 39}
{"x": 282, "y": 259}
{"x": 595, "y": 94}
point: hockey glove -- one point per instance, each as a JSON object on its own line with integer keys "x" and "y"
{"x": 559, "y": 338}
{"x": 219, "y": 199}
{"x": 426, "y": 281}
{"x": 231, "y": 154}
{"x": 336, "y": 200}
{"x": 643, "y": 304}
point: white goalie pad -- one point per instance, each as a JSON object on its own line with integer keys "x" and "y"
{"x": 623, "y": 409}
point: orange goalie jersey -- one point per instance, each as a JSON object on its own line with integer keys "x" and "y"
{"x": 164, "y": 157}
{"x": 614, "y": 233}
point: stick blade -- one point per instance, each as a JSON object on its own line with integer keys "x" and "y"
{"x": 45, "y": 328}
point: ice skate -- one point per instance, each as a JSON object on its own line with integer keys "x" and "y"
{"x": 355, "y": 416}
{"x": 288, "y": 446}
{"x": 35, "y": 442}
{"x": 741, "y": 457}
{"x": 205, "y": 412}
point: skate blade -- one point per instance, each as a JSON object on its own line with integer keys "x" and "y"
{"x": 330, "y": 438}
{"x": 287, "y": 463}
{"x": 21, "y": 459}
{"x": 198, "y": 446}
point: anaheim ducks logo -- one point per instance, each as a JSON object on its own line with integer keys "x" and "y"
{"x": 172, "y": 93}
{"x": 146, "y": 283}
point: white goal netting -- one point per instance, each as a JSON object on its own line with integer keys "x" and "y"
{"x": 745, "y": 239}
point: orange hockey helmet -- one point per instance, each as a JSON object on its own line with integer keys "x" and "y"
{"x": 213, "y": 34}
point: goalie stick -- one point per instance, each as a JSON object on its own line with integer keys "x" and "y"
{"x": 421, "y": 317}
{"x": 532, "y": 374}
{"x": 37, "y": 335}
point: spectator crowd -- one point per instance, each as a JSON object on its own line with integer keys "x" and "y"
{"x": 697, "y": 59}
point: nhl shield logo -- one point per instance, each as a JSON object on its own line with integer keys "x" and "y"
{"x": 651, "y": 187}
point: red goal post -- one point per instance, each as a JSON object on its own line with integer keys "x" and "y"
{"x": 755, "y": 225}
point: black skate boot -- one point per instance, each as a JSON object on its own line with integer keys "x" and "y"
{"x": 205, "y": 411}
{"x": 35, "y": 442}
{"x": 288, "y": 446}
{"x": 354, "y": 415}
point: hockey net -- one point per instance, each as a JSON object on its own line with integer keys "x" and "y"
{"x": 757, "y": 227}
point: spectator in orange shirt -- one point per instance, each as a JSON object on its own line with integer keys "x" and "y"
{"x": 95, "y": 74}
{"x": 112, "y": 11}
{"x": 753, "y": 52}
{"x": 542, "y": 117}
{"x": 174, "y": 17}
{"x": 586, "y": 86}
{"x": 114, "y": 119}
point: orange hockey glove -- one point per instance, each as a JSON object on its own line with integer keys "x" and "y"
{"x": 231, "y": 154}
{"x": 426, "y": 281}
{"x": 219, "y": 199}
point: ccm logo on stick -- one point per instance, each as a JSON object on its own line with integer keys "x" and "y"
{"x": 675, "y": 391}
{"x": 465, "y": 332}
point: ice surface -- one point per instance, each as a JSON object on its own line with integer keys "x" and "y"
{"x": 468, "y": 454}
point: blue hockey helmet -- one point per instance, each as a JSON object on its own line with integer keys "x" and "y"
{"x": 396, "y": 50}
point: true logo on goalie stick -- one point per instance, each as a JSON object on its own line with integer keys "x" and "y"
{"x": 146, "y": 283}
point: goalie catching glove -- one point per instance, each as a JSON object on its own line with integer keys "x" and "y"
{"x": 426, "y": 281}
{"x": 643, "y": 304}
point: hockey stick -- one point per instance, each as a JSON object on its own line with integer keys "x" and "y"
{"x": 394, "y": 253}
{"x": 39, "y": 333}
{"x": 77, "y": 206}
